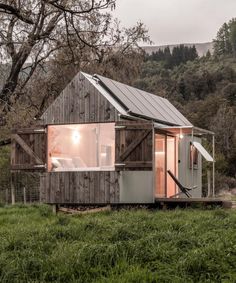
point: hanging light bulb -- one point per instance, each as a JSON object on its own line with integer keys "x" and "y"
{"x": 75, "y": 137}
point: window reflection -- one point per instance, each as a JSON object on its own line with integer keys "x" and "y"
{"x": 193, "y": 157}
{"x": 81, "y": 147}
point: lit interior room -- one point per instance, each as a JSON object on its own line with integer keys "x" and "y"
{"x": 75, "y": 147}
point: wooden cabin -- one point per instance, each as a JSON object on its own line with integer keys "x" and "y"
{"x": 102, "y": 142}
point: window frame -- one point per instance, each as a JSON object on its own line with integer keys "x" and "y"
{"x": 87, "y": 169}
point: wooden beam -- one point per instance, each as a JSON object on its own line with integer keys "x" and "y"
{"x": 87, "y": 211}
{"x": 138, "y": 164}
{"x": 40, "y": 130}
{"x": 27, "y": 167}
{"x": 135, "y": 164}
{"x": 133, "y": 127}
{"x": 133, "y": 145}
{"x": 26, "y": 148}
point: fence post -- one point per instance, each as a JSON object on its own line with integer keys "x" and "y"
{"x": 208, "y": 183}
{"x": 13, "y": 198}
{"x": 6, "y": 196}
{"x": 24, "y": 194}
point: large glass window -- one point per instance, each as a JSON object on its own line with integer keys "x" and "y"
{"x": 81, "y": 147}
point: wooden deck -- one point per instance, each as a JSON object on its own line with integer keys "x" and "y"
{"x": 192, "y": 202}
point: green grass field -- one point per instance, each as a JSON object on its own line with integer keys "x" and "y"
{"x": 117, "y": 246}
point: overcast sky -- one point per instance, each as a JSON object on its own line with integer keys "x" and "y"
{"x": 177, "y": 21}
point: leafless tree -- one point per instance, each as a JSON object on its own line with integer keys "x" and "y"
{"x": 35, "y": 34}
{"x": 32, "y": 30}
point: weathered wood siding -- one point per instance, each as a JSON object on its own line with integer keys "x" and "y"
{"x": 80, "y": 102}
{"x": 80, "y": 187}
{"x": 134, "y": 145}
{"x": 28, "y": 149}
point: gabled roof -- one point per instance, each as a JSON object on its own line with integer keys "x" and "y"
{"x": 139, "y": 103}
{"x": 132, "y": 102}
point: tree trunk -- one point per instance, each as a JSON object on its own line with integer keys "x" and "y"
{"x": 18, "y": 61}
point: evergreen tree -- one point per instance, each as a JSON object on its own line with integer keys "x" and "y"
{"x": 182, "y": 88}
{"x": 225, "y": 42}
{"x": 233, "y": 37}
{"x": 208, "y": 54}
{"x": 168, "y": 56}
{"x": 180, "y": 54}
{"x": 193, "y": 54}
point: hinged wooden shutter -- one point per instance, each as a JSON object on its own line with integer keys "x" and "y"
{"x": 28, "y": 149}
{"x": 134, "y": 148}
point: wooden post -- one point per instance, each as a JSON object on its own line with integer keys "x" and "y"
{"x": 24, "y": 194}
{"x": 54, "y": 209}
{"x": 6, "y": 196}
{"x": 213, "y": 166}
{"x": 191, "y": 152}
{"x": 13, "y": 200}
{"x": 153, "y": 162}
{"x": 208, "y": 183}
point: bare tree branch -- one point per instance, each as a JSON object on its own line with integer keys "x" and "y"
{"x": 92, "y": 7}
{"x": 5, "y": 142}
{"x": 4, "y": 8}
{"x": 32, "y": 31}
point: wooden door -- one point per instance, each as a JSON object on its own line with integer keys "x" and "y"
{"x": 28, "y": 149}
{"x": 134, "y": 145}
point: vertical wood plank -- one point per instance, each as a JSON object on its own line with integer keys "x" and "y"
{"x": 77, "y": 188}
{"x": 107, "y": 187}
{"x": 81, "y": 187}
{"x": 86, "y": 106}
{"x": 97, "y": 176}
{"x": 91, "y": 187}
{"x": 42, "y": 188}
{"x": 112, "y": 187}
{"x": 86, "y": 187}
{"x": 117, "y": 187}
{"x": 102, "y": 187}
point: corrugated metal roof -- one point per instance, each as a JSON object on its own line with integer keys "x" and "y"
{"x": 141, "y": 103}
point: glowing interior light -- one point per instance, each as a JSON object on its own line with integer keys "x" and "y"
{"x": 181, "y": 136}
{"x": 159, "y": 152}
{"x": 76, "y": 137}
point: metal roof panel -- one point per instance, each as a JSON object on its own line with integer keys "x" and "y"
{"x": 145, "y": 104}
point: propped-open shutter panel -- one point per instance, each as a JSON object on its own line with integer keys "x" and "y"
{"x": 28, "y": 149}
{"x": 133, "y": 145}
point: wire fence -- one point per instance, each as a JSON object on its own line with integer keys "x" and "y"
{"x": 26, "y": 187}
{"x": 21, "y": 188}
{"x": 17, "y": 187}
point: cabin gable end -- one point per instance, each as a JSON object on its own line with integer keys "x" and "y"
{"x": 80, "y": 102}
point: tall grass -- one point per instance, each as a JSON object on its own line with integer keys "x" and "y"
{"x": 125, "y": 246}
